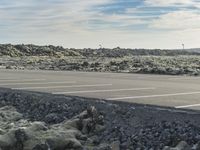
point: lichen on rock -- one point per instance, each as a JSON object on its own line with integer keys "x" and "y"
{"x": 20, "y": 134}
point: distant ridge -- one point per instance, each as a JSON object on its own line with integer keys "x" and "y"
{"x": 58, "y": 51}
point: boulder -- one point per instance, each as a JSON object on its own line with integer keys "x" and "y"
{"x": 19, "y": 134}
{"x": 181, "y": 146}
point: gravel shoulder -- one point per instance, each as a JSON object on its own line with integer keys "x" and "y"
{"x": 96, "y": 124}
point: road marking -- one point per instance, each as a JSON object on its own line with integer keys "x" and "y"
{"x": 152, "y": 96}
{"x": 36, "y": 83}
{"x": 70, "y": 86}
{"x": 187, "y": 106}
{"x": 183, "y": 78}
{"x": 2, "y": 79}
{"x": 97, "y": 91}
{"x": 129, "y": 77}
{"x": 23, "y": 80}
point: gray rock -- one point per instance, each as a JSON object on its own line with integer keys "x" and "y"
{"x": 115, "y": 145}
{"x": 27, "y": 135}
{"x": 9, "y": 113}
{"x": 103, "y": 147}
{"x": 166, "y": 148}
{"x": 183, "y": 146}
{"x": 51, "y": 118}
{"x": 41, "y": 147}
{"x": 196, "y": 146}
{"x": 95, "y": 140}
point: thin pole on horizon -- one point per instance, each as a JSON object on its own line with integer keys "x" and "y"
{"x": 183, "y": 45}
{"x": 100, "y": 46}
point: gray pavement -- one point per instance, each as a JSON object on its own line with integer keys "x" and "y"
{"x": 162, "y": 90}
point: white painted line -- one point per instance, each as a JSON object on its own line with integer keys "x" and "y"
{"x": 187, "y": 106}
{"x": 183, "y": 78}
{"x": 36, "y": 83}
{"x": 2, "y": 79}
{"x": 98, "y": 91}
{"x": 152, "y": 96}
{"x": 59, "y": 86}
{"x": 23, "y": 80}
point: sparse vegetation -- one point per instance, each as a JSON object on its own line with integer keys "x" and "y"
{"x": 172, "y": 62}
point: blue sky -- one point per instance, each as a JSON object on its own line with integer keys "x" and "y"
{"x": 111, "y": 23}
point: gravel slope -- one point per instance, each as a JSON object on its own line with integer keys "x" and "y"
{"x": 128, "y": 126}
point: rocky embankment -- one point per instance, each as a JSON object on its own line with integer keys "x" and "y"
{"x": 39, "y": 121}
{"x": 171, "y": 62}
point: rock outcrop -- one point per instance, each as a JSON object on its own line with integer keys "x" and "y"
{"x": 20, "y": 134}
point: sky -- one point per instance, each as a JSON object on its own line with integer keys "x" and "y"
{"x": 164, "y": 24}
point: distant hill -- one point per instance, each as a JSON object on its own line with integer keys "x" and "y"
{"x": 34, "y": 50}
{"x": 196, "y": 50}
{"x": 58, "y": 51}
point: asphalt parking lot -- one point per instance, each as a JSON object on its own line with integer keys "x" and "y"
{"x": 162, "y": 90}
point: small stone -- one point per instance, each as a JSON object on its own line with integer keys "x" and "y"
{"x": 41, "y": 147}
{"x": 115, "y": 145}
{"x": 197, "y": 146}
{"x": 20, "y": 135}
{"x": 166, "y": 148}
{"x": 99, "y": 128}
{"x": 95, "y": 140}
{"x": 103, "y": 147}
{"x": 183, "y": 146}
{"x": 51, "y": 118}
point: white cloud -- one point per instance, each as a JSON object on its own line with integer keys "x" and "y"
{"x": 139, "y": 10}
{"x": 179, "y": 20}
{"x": 164, "y": 3}
{"x": 62, "y": 15}
{"x": 121, "y": 19}
{"x": 66, "y": 22}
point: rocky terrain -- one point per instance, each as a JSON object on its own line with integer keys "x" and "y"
{"x": 172, "y": 62}
{"x": 41, "y": 121}
{"x": 59, "y": 51}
